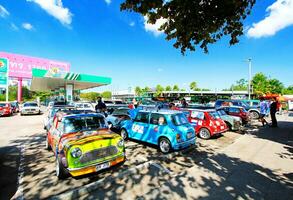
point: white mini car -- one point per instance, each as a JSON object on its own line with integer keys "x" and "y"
{"x": 30, "y": 108}
{"x": 84, "y": 106}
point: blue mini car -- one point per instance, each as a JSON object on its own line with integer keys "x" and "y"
{"x": 167, "y": 129}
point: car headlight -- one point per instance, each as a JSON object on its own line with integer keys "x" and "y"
{"x": 76, "y": 152}
{"x": 120, "y": 143}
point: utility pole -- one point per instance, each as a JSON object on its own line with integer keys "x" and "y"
{"x": 250, "y": 77}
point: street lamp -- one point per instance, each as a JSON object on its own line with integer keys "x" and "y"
{"x": 249, "y": 74}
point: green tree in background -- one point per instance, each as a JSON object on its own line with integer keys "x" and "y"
{"x": 264, "y": 85}
{"x": 288, "y": 90}
{"x": 90, "y": 96}
{"x": 159, "y": 90}
{"x": 176, "y": 88}
{"x": 107, "y": 94}
{"x": 138, "y": 91}
{"x": 193, "y": 23}
{"x": 241, "y": 85}
{"x": 168, "y": 88}
{"x": 193, "y": 86}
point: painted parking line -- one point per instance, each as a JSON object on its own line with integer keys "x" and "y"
{"x": 160, "y": 167}
{"x": 19, "y": 193}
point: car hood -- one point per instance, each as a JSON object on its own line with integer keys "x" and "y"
{"x": 82, "y": 137}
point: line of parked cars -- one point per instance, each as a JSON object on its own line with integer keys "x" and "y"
{"x": 84, "y": 141}
{"x": 27, "y": 108}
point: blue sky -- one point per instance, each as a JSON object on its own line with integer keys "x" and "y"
{"x": 96, "y": 38}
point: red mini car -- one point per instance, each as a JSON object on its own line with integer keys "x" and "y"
{"x": 238, "y": 112}
{"x": 5, "y": 109}
{"x": 208, "y": 122}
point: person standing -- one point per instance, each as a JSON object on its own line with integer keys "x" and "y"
{"x": 263, "y": 111}
{"x": 273, "y": 110}
{"x": 101, "y": 106}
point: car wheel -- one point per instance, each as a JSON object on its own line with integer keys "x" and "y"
{"x": 124, "y": 134}
{"x": 48, "y": 147}
{"x": 254, "y": 115}
{"x": 204, "y": 133}
{"x": 60, "y": 170}
{"x": 164, "y": 145}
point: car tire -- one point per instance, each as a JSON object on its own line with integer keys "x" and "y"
{"x": 254, "y": 115}
{"x": 124, "y": 134}
{"x": 204, "y": 133}
{"x": 164, "y": 145}
{"x": 61, "y": 172}
{"x": 47, "y": 145}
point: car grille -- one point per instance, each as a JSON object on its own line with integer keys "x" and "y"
{"x": 98, "y": 154}
{"x": 29, "y": 110}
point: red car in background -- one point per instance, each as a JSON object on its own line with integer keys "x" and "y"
{"x": 5, "y": 109}
{"x": 208, "y": 122}
{"x": 238, "y": 112}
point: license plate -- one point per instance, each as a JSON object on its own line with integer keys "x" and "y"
{"x": 102, "y": 166}
{"x": 189, "y": 135}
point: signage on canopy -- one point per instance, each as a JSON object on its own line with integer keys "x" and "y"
{"x": 21, "y": 66}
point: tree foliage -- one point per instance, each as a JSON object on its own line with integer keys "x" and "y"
{"x": 241, "y": 85}
{"x": 107, "y": 94}
{"x": 90, "y": 96}
{"x": 159, "y": 90}
{"x": 192, "y": 23}
{"x": 137, "y": 90}
{"x": 263, "y": 85}
{"x": 176, "y": 88}
{"x": 288, "y": 90}
{"x": 193, "y": 86}
{"x": 168, "y": 88}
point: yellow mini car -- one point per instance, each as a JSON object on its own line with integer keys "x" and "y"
{"x": 83, "y": 144}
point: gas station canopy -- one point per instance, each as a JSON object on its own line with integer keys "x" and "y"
{"x": 48, "y": 80}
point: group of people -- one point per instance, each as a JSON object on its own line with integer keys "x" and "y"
{"x": 266, "y": 108}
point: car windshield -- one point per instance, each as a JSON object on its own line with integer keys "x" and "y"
{"x": 83, "y": 123}
{"x": 120, "y": 112}
{"x": 2, "y": 104}
{"x": 108, "y": 102}
{"x": 179, "y": 119}
{"x": 214, "y": 115}
{"x": 119, "y": 102}
{"x": 13, "y": 103}
{"x": 222, "y": 112}
{"x": 30, "y": 105}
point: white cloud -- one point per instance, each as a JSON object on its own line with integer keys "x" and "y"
{"x": 154, "y": 28}
{"x": 132, "y": 24}
{"x": 280, "y": 16}
{"x": 27, "y": 26}
{"x": 55, "y": 8}
{"x": 3, "y": 12}
{"x": 108, "y": 1}
{"x": 14, "y": 27}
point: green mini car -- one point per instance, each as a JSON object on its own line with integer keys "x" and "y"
{"x": 234, "y": 123}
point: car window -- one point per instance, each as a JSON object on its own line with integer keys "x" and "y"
{"x": 60, "y": 126}
{"x": 214, "y": 115}
{"x": 234, "y": 110}
{"x": 158, "y": 119}
{"x": 30, "y": 105}
{"x": 86, "y": 106}
{"x": 82, "y": 123}
{"x": 255, "y": 103}
{"x": 142, "y": 117}
{"x": 121, "y": 112}
{"x": 197, "y": 114}
{"x": 179, "y": 119}
{"x": 79, "y": 105}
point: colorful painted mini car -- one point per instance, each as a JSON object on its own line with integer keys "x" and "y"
{"x": 208, "y": 122}
{"x": 167, "y": 129}
{"x": 5, "y": 109}
{"x": 234, "y": 123}
{"x": 83, "y": 144}
{"x": 238, "y": 112}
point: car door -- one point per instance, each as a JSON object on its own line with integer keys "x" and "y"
{"x": 140, "y": 126}
{"x": 157, "y": 127}
{"x": 56, "y": 134}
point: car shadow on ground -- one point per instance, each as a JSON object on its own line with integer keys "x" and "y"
{"x": 9, "y": 163}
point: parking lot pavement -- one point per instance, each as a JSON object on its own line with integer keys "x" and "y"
{"x": 39, "y": 181}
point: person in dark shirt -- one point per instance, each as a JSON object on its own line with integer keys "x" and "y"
{"x": 273, "y": 110}
{"x": 101, "y": 106}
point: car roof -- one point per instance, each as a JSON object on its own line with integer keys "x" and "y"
{"x": 201, "y": 110}
{"x": 84, "y": 115}
{"x": 164, "y": 112}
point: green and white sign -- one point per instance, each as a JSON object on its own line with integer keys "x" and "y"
{"x": 3, "y": 71}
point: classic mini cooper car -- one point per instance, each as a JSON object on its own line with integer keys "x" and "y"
{"x": 238, "y": 112}
{"x": 114, "y": 120}
{"x": 167, "y": 129}
{"x": 83, "y": 144}
{"x": 208, "y": 122}
{"x": 234, "y": 123}
{"x": 5, "y": 109}
{"x": 30, "y": 108}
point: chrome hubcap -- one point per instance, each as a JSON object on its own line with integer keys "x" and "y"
{"x": 204, "y": 134}
{"x": 164, "y": 145}
{"x": 123, "y": 134}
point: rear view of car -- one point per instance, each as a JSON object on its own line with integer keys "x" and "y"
{"x": 30, "y": 108}
{"x": 5, "y": 109}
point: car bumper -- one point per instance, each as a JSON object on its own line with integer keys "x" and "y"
{"x": 96, "y": 167}
{"x": 30, "y": 112}
{"x": 185, "y": 144}
{"x": 4, "y": 113}
{"x": 218, "y": 132}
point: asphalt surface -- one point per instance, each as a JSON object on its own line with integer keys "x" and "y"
{"x": 23, "y": 138}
